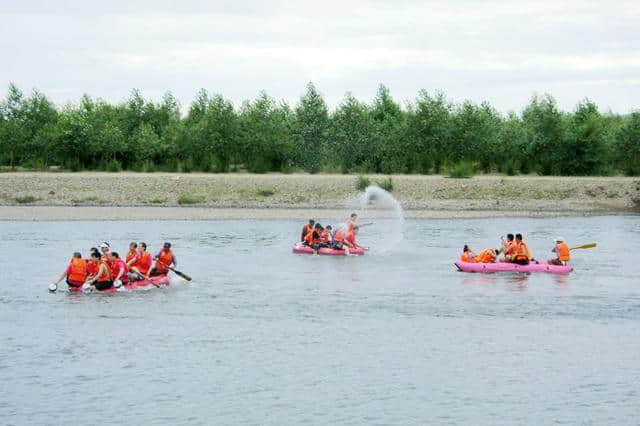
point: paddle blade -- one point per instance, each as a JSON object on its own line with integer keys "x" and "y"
{"x": 182, "y": 274}
{"x": 585, "y": 246}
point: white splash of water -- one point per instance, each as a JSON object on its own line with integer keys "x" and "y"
{"x": 383, "y": 203}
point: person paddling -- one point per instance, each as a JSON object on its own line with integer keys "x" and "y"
{"x": 306, "y": 228}
{"x": 75, "y": 274}
{"x": 562, "y": 251}
{"x": 163, "y": 260}
{"x": 352, "y": 223}
{"x": 102, "y": 279}
{"x": 522, "y": 255}
{"x": 340, "y": 242}
{"x": 141, "y": 268}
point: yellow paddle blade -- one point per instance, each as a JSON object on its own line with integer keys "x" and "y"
{"x": 585, "y": 246}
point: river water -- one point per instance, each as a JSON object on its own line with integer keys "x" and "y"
{"x": 263, "y": 336}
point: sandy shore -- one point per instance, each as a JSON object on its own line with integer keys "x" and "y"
{"x": 138, "y": 196}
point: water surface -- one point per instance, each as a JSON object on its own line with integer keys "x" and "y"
{"x": 262, "y": 336}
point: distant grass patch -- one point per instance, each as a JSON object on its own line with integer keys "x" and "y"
{"x": 157, "y": 201}
{"x": 386, "y": 184}
{"x": 186, "y": 199}
{"x": 113, "y": 166}
{"x": 89, "y": 199}
{"x": 462, "y": 170}
{"x": 362, "y": 182}
{"x": 26, "y": 199}
{"x": 265, "y": 192}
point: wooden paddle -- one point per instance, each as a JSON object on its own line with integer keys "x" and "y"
{"x": 584, "y": 246}
{"x": 178, "y": 273}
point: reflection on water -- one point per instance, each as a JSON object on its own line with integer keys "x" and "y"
{"x": 397, "y": 336}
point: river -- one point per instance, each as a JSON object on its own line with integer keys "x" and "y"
{"x": 263, "y": 336}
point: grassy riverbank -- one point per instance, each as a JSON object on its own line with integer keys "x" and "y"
{"x": 419, "y": 195}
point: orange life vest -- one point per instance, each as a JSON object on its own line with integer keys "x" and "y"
{"x": 78, "y": 270}
{"x": 144, "y": 263}
{"x": 486, "y": 256}
{"x": 325, "y": 237}
{"x": 464, "y": 257}
{"x": 562, "y": 251}
{"x": 106, "y": 274}
{"x": 165, "y": 257}
{"x": 522, "y": 251}
{"x": 311, "y": 239}
{"x": 351, "y": 237}
{"x": 339, "y": 237}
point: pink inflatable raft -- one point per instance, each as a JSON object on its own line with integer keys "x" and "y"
{"x": 535, "y": 266}
{"x": 159, "y": 281}
{"x": 300, "y": 248}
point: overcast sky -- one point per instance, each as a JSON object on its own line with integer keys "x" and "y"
{"x": 500, "y": 51}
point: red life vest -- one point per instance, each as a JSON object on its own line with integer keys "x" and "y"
{"x": 132, "y": 255}
{"x": 106, "y": 274}
{"x": 116, "y": 267}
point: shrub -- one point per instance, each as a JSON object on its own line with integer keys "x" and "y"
{"x": 149, "y": 167}
{"x": 158, "y": 201}
{"x": 462, "y": 170}
{"x": 362, "y": 182}
{"x": 386, "y": 184}
{"x": 266, "y": 192}
{"x": 26, "y": 199}
{"x": 190, "y": 199}
{"x": 113, "y": 166}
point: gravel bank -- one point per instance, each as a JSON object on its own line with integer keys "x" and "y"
{"x": 57, "y": 196}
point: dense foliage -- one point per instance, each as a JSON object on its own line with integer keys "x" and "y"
{"x": 429, "y": 135}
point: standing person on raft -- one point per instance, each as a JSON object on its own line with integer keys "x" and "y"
{"x": 562, "y": 251}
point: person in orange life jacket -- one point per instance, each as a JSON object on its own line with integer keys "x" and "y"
{"x": 522, "y": 255}
{"x": 118, "y": 269}
{"x": 340, "y": 242}
{"x": 163, "y": 259}
{"x": 313, "y": 239}
{"x": 351, "y": 223}
{"x": 143, "y": 265}
{"x": 102, "y": 279}
{"x": 92, "y": 268}
{"x": 76, "y": 272}
{"x": 488, "y": 255}
{"x": 306, "y": 229}
{"x": 508, "y": 248}
{"x": 326, "y": 237}
{"x": 562, "y": 251}
{"x": 350, "y": 237}
{"x": 132, "y": 255}
{"x": 467, "y": 254}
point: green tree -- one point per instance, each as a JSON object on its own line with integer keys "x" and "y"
{"x": 628, "y": 145}
{"x": 585, "y": 151}
{"x": 353, "y": 130}
{"x": 546, "y": 132}
{"x": 387, "y": 143}
{"x": 311, "y": 129}
{"x": 429, "y": 133}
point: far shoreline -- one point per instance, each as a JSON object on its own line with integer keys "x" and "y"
{"x": 142, "y": 213}
{"x": 42, "y": 196}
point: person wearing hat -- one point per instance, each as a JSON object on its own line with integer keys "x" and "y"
{"x": 562, "y": 251}
{"x": 164, "y": 259}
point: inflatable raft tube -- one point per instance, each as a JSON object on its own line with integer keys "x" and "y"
{"x": 159, "y": 281}
{"x": 535, "y": 266}
{"x": 299, "y": 248}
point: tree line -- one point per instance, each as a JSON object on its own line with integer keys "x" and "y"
{"x": 430, "y": 134}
